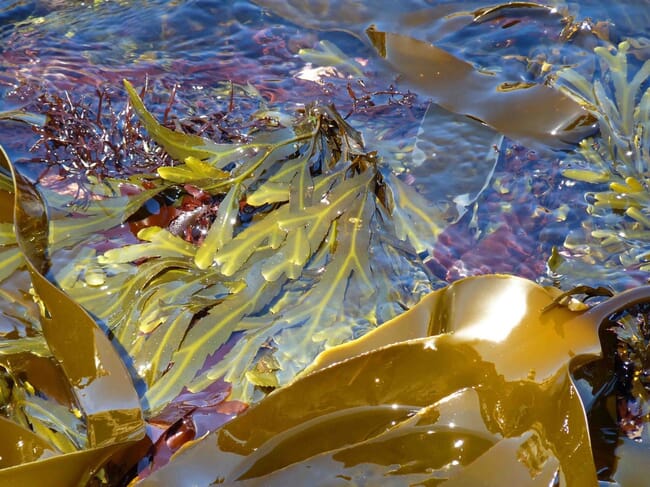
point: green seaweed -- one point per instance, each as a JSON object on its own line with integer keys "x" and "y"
{"x": 616, "y": 163}
{"x": 620, "y": 102}
{"x": 294, "y": 280}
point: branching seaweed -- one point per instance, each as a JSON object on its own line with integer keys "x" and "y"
{"x": 619, "y": 158}
{"x": 81, "y": 142}
{"x": 621, "y": 106}
{"x": 319, "y": 263}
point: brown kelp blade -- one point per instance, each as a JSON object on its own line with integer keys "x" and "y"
{"x": 70, "y": 469}
{"x": 20, "y": 445}
{"x": 96, "y": 376}
{"x": 526, "y": 112}
{"x": 354, "y": 17}
{"x": 470, "y": 386}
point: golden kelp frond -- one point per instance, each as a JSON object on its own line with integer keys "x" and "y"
{"x": 527, "y": 112}
{"x": 472, "y": 386}
{"x": 68, "y": 401}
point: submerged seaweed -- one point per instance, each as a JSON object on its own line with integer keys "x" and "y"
{"x": 209, "y": 253}
{"x": 617, "y": 162}
{"x": 316, "y": 262}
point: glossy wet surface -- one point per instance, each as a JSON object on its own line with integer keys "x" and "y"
{"x": 512, "y": 200}
{"x": 459, "y": 99}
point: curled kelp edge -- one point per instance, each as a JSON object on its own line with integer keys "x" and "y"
{"x": 471, "y": 378}
{"x": 98, "y": 382}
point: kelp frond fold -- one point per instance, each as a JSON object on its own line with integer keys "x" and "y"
{"x": 301, "y": 254}
{"x": 472, "y": 386}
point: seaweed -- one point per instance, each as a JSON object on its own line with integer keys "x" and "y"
{"x": 206, "y": 254}
{"x": 616, "y": 163}
{"x": 276, "y": 288}
{"x": 68, "y": 402}
{"x": 308, "y": 246}
{"x": 87, "y": 143}
{"x": 389, "y": 409}
{"x": 409, "y": 40}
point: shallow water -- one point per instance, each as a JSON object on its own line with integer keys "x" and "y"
{"x": 502, "y": 204}
{"x": 52, "y": 46}
{"x": 510, "y": 210}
